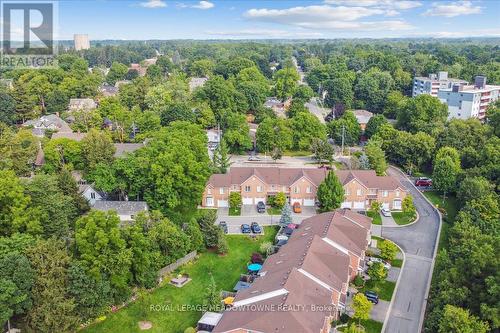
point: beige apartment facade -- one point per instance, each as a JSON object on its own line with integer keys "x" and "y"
{"x": 362, "y": 187}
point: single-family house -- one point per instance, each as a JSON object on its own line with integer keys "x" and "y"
{"x": 81, "y": 104}
{"x": 362, "y": 116}
{"x": 87, "y": 190}
{"x": 126, "y": 210}
{"x": 108, "y": 90}
{"x": 51, "y": 122}
{"x": 126, "y": 148}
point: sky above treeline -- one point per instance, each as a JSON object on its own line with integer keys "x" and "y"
{"x": 165, "y": 19}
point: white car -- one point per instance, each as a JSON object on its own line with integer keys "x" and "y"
{"x": 371, "y": 260}
{"x": 386, "y": 212}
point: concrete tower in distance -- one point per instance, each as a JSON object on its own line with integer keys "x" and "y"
{"x": 81, "y": 42}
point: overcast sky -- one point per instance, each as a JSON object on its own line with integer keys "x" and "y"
{"x": 164, "y": 19}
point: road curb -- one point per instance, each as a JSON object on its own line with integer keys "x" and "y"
{"x": 428, "y": 287}
{"x": 405, "y": 225}
{"x": 396, "y": 286}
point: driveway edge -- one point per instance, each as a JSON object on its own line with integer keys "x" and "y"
{"x": 427, "y": 289}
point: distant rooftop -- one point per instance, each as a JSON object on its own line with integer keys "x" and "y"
{"x": 122, "y": 207}
{"x": 124, "y": 148}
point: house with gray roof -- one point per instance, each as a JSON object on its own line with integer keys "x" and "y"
{"x": 50, "y": 122}
{"x": 127, "y": 148}
{"x": 126, "y": 210}
{"x": 81, "y": 104}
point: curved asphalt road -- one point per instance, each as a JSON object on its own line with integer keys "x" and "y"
{"x": 418, "y": 241}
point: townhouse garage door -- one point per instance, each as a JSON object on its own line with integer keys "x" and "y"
{"x": 222, "y": 203}
{"x": 309, "y": 202}
{"x": 359, "y": 205}
{"x": 346, "y": 204}
{"x": 247, "y": 201}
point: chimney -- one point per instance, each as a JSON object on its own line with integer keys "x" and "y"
{"x": 480, "y": 82}
{"x": 442, "y": 76}
{"x": 457, "y": 87}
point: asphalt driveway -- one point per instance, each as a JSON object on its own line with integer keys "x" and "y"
{"x": 418, "y": 242}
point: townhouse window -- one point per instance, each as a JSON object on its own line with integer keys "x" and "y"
{"x": 308, "y": 189}
{"x": 385, "y": 194}
{"x": 296, "y": 190}
{"x": 397, "y": 193}
{"x": 247, "y": 188}
{"x": 235, "y": 187}
{"x": 359, "y": 192}
{"x": 272, "y": 187}
{"x": 209, "y": 191}
{"x": 221, "y": 190}
{"x": 347, "y": 191}
{"x": 284, "y": 188}
{"x": 259, "y": 188}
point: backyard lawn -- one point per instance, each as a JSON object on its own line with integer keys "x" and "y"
{"x": 403, "y": 218}
{"x": 234, "y": 211}
{"x": 226, "y": 271}
{"x": 377, "y": 219}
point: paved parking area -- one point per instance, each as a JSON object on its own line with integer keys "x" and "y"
{"x": 393, "y": 274}
{"x": 388, "y": 221}
{"x": 379, "y": 311}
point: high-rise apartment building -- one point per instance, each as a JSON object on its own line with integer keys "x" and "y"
{"x": 433, "y": 83}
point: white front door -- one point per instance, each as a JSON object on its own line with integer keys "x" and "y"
{"x": 359, "y": 205}
{"x": 222, "y": 203}
{"x": 209, "y": 202}
{"x": 346, "y": 204}
{"x": 247, "y": 201}
{"x": 309, "y": 202}
{"x": 396, "y": 205}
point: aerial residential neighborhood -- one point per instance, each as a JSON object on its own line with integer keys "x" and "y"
{"x": 315, "y": 166}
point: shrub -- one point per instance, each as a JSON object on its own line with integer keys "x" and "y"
{"x": 279, "y": 200}
{"x": 358, "y": 281}
{"x": 388, "y": 250}
{"x": 190, "y": 330}
{"x": 377, "y": 271}
{"x": 235, "y": 199}
{"x": 408, "y": 206}
{"x": 264, "y": 247}
{"x": 375, "y": 206}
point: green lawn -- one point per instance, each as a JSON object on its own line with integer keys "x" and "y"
{"x": 403, "y": 218}
{"x": 226, "y": 271}
{"x": 296, "y": 153}
{"x": 371, "y": 326}
{"x": 377, "y": 219}
{"x": 397, "y": 263}
{"x": 274, "y": 211}
{"x": 234, "y": 211}
{"x": 450, "y": 205}
{"x": 384, "y": 288}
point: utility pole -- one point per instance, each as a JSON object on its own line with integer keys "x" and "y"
{"x": 343, "y": 133}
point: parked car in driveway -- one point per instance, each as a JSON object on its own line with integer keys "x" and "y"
{"x": 423, "y": 181}
{"x": 223, "y": 226}
{"x": 371, "y": 296}
{"x": 386, "y": 212}
{"x": 256, "y": 229}
{"x": 261, "y": 207}
{"x": 296, "y": 208}
{"x": 254, "y": 158}
{"x": 245, "y": 229}
{"x": 371, "y": 260}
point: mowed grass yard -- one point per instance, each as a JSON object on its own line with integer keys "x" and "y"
{"x": 226, "y": 271}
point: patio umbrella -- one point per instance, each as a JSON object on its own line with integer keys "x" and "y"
{"x": 254, "y": 267}
{"x": 292, "y": 226}
{"x": 228, "y": 300}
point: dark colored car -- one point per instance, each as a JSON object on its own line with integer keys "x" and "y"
{"x": 371, "y": 296}
{"x": 261, "y": 207}
{"x": 256, "y": 229}
{"x": 281, "y": 242}
{"x": 422, "y": 181}
{"x": 245, "y": 229}
{"x": 223, "y": 226}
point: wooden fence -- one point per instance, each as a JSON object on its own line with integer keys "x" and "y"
{"x": 173, "y": 266}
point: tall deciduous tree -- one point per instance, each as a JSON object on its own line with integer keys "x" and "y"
{"x": 53, "y": 308}
{"x": 285, "y": 82}
{"x": 306, "y": 127}
{"x": 376, "y": 157}
{"x": 423, "y": 113}
{"x": 330, "y": 193}
{"x": 456, "y": 319}
{"x": 445, "y": 174}
{"x": 97, "y": 148}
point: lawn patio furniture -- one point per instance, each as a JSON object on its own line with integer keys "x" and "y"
{"x": 180, "y": 280}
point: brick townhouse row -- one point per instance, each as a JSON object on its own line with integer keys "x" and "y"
{"x": 303, "y": 287}
{"x": 361, "y": 187}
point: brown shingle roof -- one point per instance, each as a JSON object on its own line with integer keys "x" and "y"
{"x": 287, "y": 176}
{"x": 300, "y": 274}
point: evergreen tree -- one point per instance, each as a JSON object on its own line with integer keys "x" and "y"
{"x": 330, "y": 193}
{"x": 286, "y": 215}
{"x": 212, "y": 297}
{"x": 221, "y": 157}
